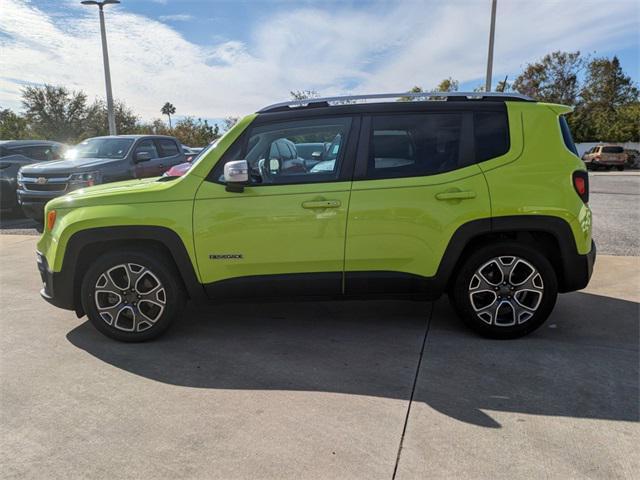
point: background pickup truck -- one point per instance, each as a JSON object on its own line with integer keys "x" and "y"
{"x": 94, "y": 161}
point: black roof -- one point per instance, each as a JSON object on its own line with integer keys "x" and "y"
{"x": 27, "y": 143}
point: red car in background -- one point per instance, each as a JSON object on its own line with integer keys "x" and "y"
{"x": 190, "y": 155}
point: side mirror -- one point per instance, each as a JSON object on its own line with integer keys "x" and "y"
{"x": 316, "y": 155}
{"x": 236, "y": 175}
{"x": 142, "y": 157}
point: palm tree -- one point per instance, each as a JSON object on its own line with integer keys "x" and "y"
{"x": 168, "y": 109}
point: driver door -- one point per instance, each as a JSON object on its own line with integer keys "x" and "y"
{"x": 285, "y": 233}
{"x": 146, "y": 168}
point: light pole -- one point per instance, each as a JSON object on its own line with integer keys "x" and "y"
{"x": 492, "y": 32}
{"x": 105, "y": 58}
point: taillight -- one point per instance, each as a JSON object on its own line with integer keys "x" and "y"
{"x": 581, "y": 185}
{"x": 51, "y": 219}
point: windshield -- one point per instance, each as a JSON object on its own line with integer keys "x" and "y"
{"x": 100, "y": 148}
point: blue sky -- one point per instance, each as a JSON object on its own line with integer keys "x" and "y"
{"x": 218, "y": 58}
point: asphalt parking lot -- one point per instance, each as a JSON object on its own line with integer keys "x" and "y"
{"x": 329, "y": 389}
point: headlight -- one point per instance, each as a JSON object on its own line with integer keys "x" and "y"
{"x": 86, "y": 179}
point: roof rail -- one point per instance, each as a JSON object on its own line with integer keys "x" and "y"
{"x": 325, "y": 101}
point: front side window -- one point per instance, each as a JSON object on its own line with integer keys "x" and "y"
{"x": 414, "y": 145}
{"x": 299, "y": 151}
{"x": 100, "y": 148}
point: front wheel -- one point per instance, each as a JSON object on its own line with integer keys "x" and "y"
{"x": 620, "y": 168}
{"x": 132, "y": 296}
{"x": 505, "y": 290}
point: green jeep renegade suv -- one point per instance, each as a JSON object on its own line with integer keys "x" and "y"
{"x": 481, "y": 196}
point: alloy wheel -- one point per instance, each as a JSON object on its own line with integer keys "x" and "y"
{"x": 506, "y": 291}
{"x": 129, "y": 297}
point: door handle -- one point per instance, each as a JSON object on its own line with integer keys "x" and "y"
{"x": 457, "y": 195}
{"x": 321, "y": 204}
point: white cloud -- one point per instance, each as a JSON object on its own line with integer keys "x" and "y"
{"x": 337, "y": 50}
{"x": 178, "y": 17}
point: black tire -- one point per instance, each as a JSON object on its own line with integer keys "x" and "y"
{"x": 135, "y": 309}
{"x": 496, "y": 323}
{"x": 620, "y": 168}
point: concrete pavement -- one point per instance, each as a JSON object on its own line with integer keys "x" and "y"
{"x": 320, "y": 390}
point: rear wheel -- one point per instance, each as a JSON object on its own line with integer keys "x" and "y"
{"x": 505, "y": 290}
{"x": 620, "y": 168}
{"x": 132, "y": 296}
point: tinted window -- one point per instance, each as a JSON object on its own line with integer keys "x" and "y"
{"x": 168, "y": 148}
{"x": 273, "y": 157}
{"x": 612, "y": 150}
{"x": 147, "y": 146}
{"x": 41, "y": 152}
{"x": 566, "y": 136}
{"x": 491, "y": 135}
{"x": 414, "y": 145}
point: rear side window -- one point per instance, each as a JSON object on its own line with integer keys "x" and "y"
{"x": 612, "y": 150}
{"x": 491, "y": 132}
{"x": 566, "y": 136}
{"x": 414, "y": 145}
{"x": 168, "y": 148}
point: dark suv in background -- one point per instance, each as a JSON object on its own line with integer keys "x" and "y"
{"x": 15, "y": 154}
{"x": 94, "y": 161}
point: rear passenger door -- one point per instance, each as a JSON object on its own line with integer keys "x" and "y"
{"x": 170, "y": 155}
{"x": 416, "y": 182}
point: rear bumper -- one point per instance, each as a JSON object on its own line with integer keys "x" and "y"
{"x": 57, "y": 289}
{"x": 578, "y": 270}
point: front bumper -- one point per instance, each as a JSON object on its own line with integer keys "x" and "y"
{"x": 57, "y": 287}
{"x": 33, "y": 203}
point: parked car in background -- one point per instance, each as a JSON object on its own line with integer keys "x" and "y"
{"x": 182, "y": 168}
{"x": 632, "y": 157}
{"x": 605, "y": 156}
{"x": 94, "y": 161}
{"x": 15, "y": 154}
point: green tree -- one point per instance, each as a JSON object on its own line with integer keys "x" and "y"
{"x": 195, "y": 132}
{"x": 168, "y": 109}
{"x": 303, "y": 94}
{"x": 13, "y": 126}
{"x": 553, "y": 79}
{"x": 55, "y": 113}
{"x": 447, "y": 85}
{"x": 414, "y": 89}
{"x": 96, "y": 122}
{"x": 609, "y": 106}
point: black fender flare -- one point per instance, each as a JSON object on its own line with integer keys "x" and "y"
{"x": 67, "y": 286}
{"x": 576, "y": 268}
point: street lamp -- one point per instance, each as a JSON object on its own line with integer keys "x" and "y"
{"x": 105, "y": 58}
{"x": 492, "y": 32}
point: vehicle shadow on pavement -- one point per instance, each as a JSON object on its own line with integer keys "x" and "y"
{"x": 582, "y": 363}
